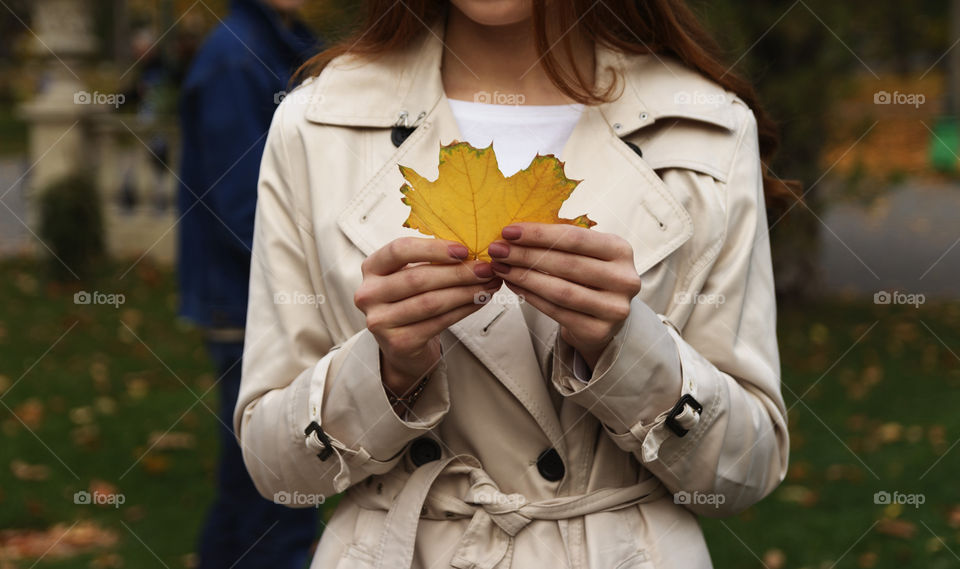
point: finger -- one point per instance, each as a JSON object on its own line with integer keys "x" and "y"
{"x": 565, "y": 237}
{"x": 585, "y": 324}
{"x": 587, "y": 271}
{"x": 432, "y": 326}
{"x": 414, "y": 280}
{"x": 561, "y": 292}
{"x": 429, "y": 304}
{"x": 400, "y": 252}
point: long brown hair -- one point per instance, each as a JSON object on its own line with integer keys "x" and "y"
{"x": 632, "y": 26}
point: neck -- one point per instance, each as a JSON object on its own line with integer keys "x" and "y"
{"x": 501, "y": 59}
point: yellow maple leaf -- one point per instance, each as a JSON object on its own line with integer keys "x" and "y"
{"x": 471, "y": 201}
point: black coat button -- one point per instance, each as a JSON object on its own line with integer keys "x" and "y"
{"x": 635, "y": 148}
{"x": 400, "y": 134}
{"x": 424, "y": 450}
{"x": 550, "y": 465}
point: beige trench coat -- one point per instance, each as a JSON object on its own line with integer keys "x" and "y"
{"x": 460, "y": 483}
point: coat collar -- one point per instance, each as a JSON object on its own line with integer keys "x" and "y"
{"x": 380, "y": 93}
{"x": 619, "y": 189}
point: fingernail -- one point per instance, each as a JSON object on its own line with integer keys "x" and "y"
{"x": 511, "y": 232}
{"x": 494, "y": 284}
{"x": 458, "y": 251}
{"x": 483, "y": 270}
{"x": 498, "y": 249}
{"x": 500, "y": 267}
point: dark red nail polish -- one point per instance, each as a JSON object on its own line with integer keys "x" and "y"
{"x": 500, "y": 267}
{"x": 511, "y": 232}
{"x": 458, "y": 251}
{"x": 483, "y": 270}
{"x": 498, "y": 249}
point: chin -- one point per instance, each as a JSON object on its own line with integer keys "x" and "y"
{"x": 494, "y": 12}
{"x": 286, "y": 6}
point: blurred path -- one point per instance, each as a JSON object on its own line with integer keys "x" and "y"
{"x": 14, "y": 237}
{"x": 908, "y": 241}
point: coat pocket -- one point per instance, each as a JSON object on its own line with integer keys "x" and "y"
{"x": 639, "y": 560}
{"x": 361, "y": 553}
{"x": 616, "y": 540}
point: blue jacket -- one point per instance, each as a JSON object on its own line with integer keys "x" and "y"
{"x": 227, "y": 101}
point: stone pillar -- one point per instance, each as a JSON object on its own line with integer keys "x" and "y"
{"x": 56, "y": 116}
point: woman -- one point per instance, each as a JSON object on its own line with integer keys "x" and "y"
{"x": 625, "y": 378}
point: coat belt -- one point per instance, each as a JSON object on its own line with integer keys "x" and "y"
{"x": 496, "y": 517}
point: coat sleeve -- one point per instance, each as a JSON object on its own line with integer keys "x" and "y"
{"x": 726, "y": 356}
{"x": 295, "y": 377}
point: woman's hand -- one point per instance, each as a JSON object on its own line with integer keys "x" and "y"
{"x": 581, "y": 278}
{"x": 413, "y": 289}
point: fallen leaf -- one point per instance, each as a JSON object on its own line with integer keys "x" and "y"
{"x": 102, "y": 487}
{"x": 953, "y": 517}
{"x": 471, "y": 201}
{"x": 171, "y": 440}
{"x": 85, "y": 435}
{"x": 155, "y": 464}
{"x": 30, "y": 412}
{"x": 799, "y": 495}
{"x": 100, "y": 373}
{"x": 896, "y": 528}
{"x": 137, "y": 388}
{"x": 889, "y": 432}
{"x": 774, "y": 558}
{"x": 81, "y": 415}
{"x": 33, "y": 472}
{"x": 107, "y": 561}
{"x": 57, "y": 542}
{"x": 798, "y": 471}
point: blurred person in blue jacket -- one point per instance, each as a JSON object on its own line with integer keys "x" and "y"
{"x": 228, "y": 99}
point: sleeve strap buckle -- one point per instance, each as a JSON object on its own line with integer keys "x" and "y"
{"x": 679, "y": 408}
{"x": 314, "y": 427}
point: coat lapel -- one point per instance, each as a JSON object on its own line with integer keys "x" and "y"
{"x": 620, "y": 191}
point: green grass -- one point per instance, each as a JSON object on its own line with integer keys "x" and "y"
{"x": 103, "y": 390}
{"x": 14, "y": 138}
{"x": 879, "y": 420}
{"x": 101, "y": 369}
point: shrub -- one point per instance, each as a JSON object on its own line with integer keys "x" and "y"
{"x": 71, "y": 226}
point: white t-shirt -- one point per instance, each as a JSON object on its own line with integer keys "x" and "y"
{"x": 518, "y": 132}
